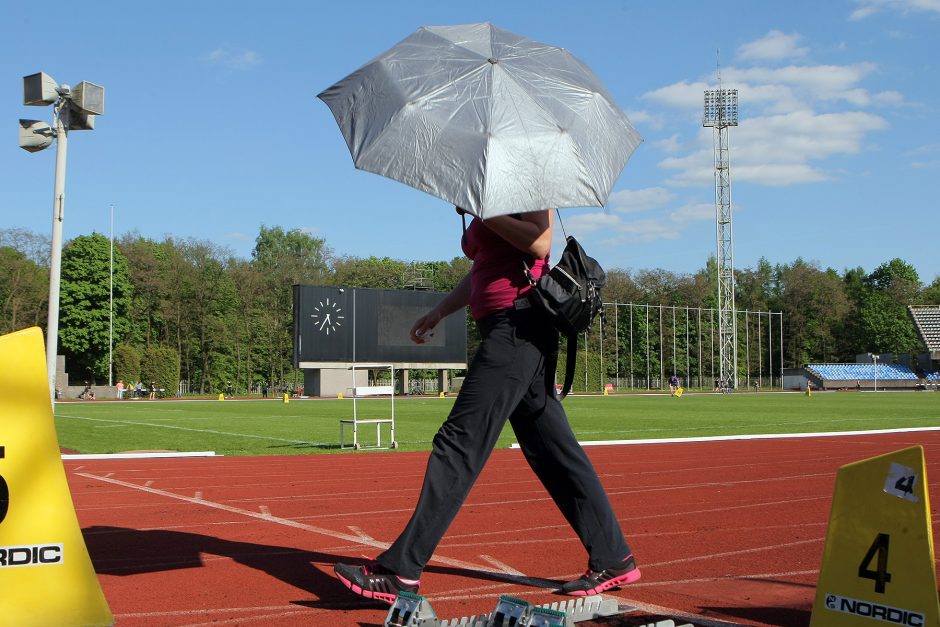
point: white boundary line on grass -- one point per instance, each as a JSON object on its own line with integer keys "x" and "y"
{"x": 139, "y": 455}
{"x": 760, "y": 436}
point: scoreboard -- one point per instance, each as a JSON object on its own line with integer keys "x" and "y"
{"x": 338, "y": 326}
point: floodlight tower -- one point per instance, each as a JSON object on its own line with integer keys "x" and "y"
{"x": 721, "y": 112}
{"x": 74, "y": 109}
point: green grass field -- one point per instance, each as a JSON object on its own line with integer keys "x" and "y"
{"x": 312, "y": 426}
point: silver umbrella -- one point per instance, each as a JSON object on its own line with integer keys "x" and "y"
{"x": 484, "y": 119}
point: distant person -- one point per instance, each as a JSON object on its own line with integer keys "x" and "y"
{"x": 229, "y": 390}
{"x": 120, "y": 388}
{"x": 153, "y": 390}
{"x": 264, "y": 389}
{"x": 139, "y": 390}
{"x": 673, "y": 385}
{"x": 86, "y": 392}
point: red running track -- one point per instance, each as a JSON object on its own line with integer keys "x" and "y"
{"x": 728, "y": 532}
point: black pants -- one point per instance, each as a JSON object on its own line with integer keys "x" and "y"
{"x": 512, "y": 376}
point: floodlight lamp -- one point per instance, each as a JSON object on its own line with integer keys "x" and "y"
{"x": 79, "y": 119}
{"x": 35, "y": 135}
{"x": 39, "y": 90}
{"x": 88, "y": 97}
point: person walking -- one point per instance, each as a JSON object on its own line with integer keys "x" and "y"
{"x": 511, "y": 377}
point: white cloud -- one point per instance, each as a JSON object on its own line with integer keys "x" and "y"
{"x": 693, "y": 212}
{"x": 775, "y": 45}
{"x": 669, "y": 145}
{"x": 636, "y": 201}
{"x": 867, "y": 8}
{"x": 681, "y": 95}
{"x": 792, "y": 119}
{"x": 232, "y": 60}
{"x": 617, "y": 228}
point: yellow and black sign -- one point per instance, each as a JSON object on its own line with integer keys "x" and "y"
{"x": 46, "y": 576}
{"x": 878, "y": 564}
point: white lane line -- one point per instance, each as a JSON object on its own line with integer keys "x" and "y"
{"x": 219, "y": 610}
{"x": 729, "y": 578}
{"x": 757, "y": 549}
{"x": 359, "y": 532}
{"x": 287, "y": 522}
{"x": 760, "y": 436}
{"x": 212, "y": 431}
{"x": 502, "y": 566}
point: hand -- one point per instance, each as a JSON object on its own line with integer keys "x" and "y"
{"x": 421, "y": 331}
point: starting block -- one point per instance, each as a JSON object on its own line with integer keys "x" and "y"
{"x": 412, "y": 610}
{"x": 878, "y": 563}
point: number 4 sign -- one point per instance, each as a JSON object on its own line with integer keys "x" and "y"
{"x": 878, "y": 563}
{"x": 901, "y": 481}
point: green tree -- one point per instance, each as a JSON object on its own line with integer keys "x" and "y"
{"x": 160, "y": 370}
{"x": 884, "y": 324}
{"x": 286, "y": 258}
{"x": 931, "y": 293}
{"x": 126, "y": 363}
{"x": 85, "y": 305}
{"x": 144, "y": 261}
{"x": 23, "y": 291}
{"x": 814, "y": 305}
{"x": 384, "y": 273}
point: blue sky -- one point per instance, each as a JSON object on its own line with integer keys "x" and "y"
{"x": 212, "y": 126}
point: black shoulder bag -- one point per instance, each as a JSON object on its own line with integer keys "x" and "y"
{"x": 570, "y": 297}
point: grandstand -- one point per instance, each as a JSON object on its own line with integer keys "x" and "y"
{"x": 927, "y": 321}
{"x": 905, "y": 371}
{"x": 864, "y": 375}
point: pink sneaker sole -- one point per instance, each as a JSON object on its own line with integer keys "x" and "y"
{"x": 628, "y": 577}
{"x": 369, "y": 594}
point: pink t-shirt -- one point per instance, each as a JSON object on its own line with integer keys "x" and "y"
{"x": 498, "y": 275}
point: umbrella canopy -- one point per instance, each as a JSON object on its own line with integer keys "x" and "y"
{"x": 484, "y": 119}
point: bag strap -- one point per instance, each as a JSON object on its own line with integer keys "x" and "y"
{"x": 569, "y": 365}
{"x": 558, "y": 215}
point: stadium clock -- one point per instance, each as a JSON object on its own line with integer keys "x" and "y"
{"x": 328, "y": 317}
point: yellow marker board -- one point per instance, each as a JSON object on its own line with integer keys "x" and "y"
{"x": 46, "y": 576}
{"x": 878, "y": 564}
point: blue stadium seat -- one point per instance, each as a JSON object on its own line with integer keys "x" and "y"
{"x": 863, "y": 372}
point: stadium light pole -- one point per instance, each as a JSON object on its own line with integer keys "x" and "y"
{"x": 111, "y": 304}
{"x": 720, "y": 113}
{"x": 73, "y": 109}
{"x": 874, "y": 358}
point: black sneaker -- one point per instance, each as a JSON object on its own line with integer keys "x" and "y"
{"x": 374, "y": 581}
{"x": 593, "y": 582}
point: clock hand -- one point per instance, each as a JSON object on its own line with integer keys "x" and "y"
{"x": 325, "y": 320}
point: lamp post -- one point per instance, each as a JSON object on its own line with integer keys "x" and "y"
{"x": 111, "y": 304}
{"x": 73, "y": 109}
{"x": 874, "y": 358}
